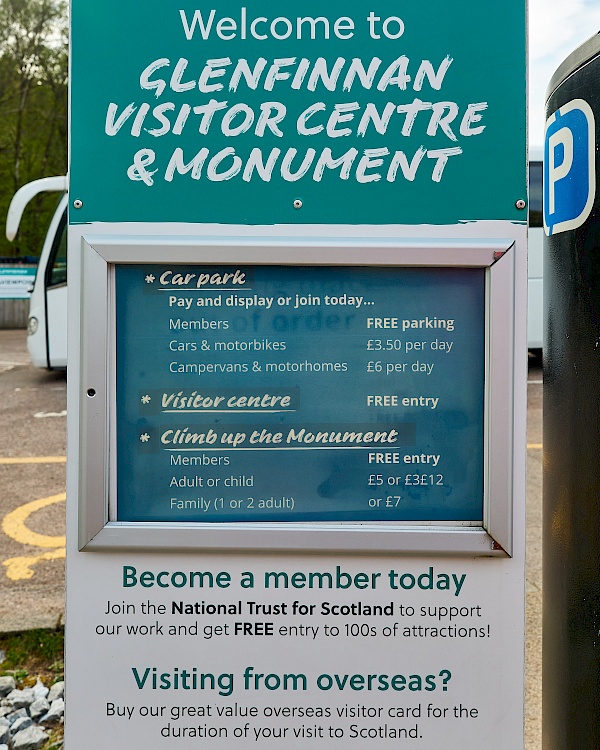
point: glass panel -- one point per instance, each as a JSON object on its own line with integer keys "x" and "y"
{"x": 535, "y": 194}
{"x": 58, "y": 271}
{"x": 271, "y": 393}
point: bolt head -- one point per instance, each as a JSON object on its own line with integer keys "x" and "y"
{"x": 520, "y": 204}
{"x": 297, "y": 203}
{"x": 77, "y": 203}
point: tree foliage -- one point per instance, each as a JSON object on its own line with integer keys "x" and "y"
{"x": 33, "y": 109}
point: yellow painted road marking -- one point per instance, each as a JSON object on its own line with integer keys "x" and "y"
{"x": 19, "y": 568}
{"x": 13, "y": 525}
{"x": 535, "y": 446}
{"x": 35, "y": 460}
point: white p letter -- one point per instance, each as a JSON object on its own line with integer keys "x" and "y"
{"x": 557, "y": 172}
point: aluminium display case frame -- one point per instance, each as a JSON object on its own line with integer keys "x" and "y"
{"x": 98, "y": 529}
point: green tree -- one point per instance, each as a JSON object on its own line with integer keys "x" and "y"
{"x": 33, "y": 109}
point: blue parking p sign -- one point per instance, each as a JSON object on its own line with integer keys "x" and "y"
{"x": 569, "y": 175}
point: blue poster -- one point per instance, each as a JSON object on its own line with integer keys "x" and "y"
{"x": 298, "y": 394}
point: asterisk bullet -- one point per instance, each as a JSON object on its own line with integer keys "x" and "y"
{"x": 144, "y": 437}
{"x": 150, "y": 278}
{"x": 146, "y": 399}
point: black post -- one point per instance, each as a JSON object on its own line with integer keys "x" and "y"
{"x": 571, "y": 637}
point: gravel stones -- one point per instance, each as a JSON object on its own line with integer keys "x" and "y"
{"x": 40, "y": 690}
{"x": 56, "y": 712}
{"x": 14, "y": 715}
{"x": 57, "y": 691}
{"x": 31, "y": 738}
{"x": 20, "y": 724}
{"x": 4, "y": 732}
{"x": 39, "y": 708}
{"x": 20, "y": 698}
{"x": 7, "y": 684}
{"x": 25, "y": 714}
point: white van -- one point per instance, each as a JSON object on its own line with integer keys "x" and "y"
{"x": 47, "y": 324}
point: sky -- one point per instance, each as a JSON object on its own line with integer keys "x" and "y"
{"x": 556, "y": 28}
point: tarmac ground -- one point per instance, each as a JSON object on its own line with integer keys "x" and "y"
{"x": 533, "y": 591}
{"x": 32, "y": 489}
{"x": 32, "y": 522}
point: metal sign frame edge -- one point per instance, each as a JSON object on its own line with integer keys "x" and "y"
{"x": 98, "y": 532}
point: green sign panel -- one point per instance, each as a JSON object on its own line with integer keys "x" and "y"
{"x": 267, "y": 113}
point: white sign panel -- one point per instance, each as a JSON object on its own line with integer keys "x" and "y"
{"x": 172, "y": 640}
{"x": 314, "y": 652}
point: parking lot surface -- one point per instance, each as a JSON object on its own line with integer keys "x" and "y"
{"x": 32, "y": 485}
